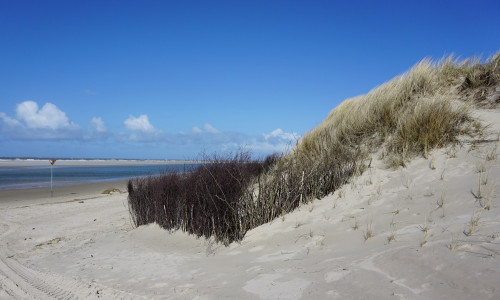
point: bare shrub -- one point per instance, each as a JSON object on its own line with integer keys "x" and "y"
{"x": 204, "y": 201}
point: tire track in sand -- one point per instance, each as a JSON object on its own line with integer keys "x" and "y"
{"x": 23, "y": 282}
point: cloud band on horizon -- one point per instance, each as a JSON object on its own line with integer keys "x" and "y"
{"x": 50, "y": 123}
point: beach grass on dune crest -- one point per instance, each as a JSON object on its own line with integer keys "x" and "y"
{"x": 428, "y": 107}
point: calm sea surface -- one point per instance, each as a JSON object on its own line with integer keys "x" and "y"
{"x": 37, "y": 177}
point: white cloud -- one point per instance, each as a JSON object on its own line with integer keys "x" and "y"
{"x": 97, "y": 130}
{"x": 49, "y": 116}
{"x": 209, "y": 128}
{"x": 275, "y": 141}
{"x": 209, "y": 138}
{"x": 8, "y": 120}
{"x": 33, "y": 123}
{"x": 50, "y": 123}
{"x": 98, "y": 124}
{"x": 280, "y": 135}
{"x": 142, "y": 130}
{"x": 139, "y": 124}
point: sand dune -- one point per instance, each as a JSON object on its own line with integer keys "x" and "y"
{"x": 384, "y": 235}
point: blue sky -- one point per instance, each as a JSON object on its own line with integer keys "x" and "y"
{"x": 169, "y": 79}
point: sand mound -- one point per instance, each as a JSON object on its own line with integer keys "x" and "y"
{"x": 427, "y": 231}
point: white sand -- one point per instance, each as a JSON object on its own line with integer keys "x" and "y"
{"x": 66, "y": 248}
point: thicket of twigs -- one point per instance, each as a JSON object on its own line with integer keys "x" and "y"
{"x": 224, "y": 197}
{"x": 203, "y": 201}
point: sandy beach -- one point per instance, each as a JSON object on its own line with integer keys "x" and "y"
{"x": 418, "y": 232}
{"x": 16, "y": 197}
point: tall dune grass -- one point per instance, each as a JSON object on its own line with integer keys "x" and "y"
{"x": 427, "y": 107}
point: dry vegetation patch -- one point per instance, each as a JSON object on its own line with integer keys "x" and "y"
{"x": 428, "y": 107}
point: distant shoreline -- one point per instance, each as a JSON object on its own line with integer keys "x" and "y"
{"x": 6, "y": 162}
{"x": 31, "y": 174}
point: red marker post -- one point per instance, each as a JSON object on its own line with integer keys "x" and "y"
{"x": 52, "y": 162}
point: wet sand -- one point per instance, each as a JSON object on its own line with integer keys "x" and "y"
{"x": 16, "y": 197}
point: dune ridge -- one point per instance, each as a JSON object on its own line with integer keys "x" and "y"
{"x": 429, "y": 107}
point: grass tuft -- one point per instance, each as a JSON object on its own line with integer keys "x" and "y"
{"x": 424, "y": 239}
{"x": 391, "y": 237}
{"x": 473, "y": 224}
{"x": 356, "y": 224}
{"x": 492, "y": 154}
{"x": 111, "y": 191}
{"x": 454, "y": 242}
{"x": 486, "y": 203}
{"x": 368, "y": 232}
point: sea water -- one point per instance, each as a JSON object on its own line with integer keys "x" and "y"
{"x": 39, "y": 177}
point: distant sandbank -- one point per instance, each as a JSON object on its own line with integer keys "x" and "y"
{"x": 90, "y": 162}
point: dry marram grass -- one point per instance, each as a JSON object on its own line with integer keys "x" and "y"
{"x": 368, "y": 232}
{"x": 411, "y": 114}
{"x": 473, "y": 224}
